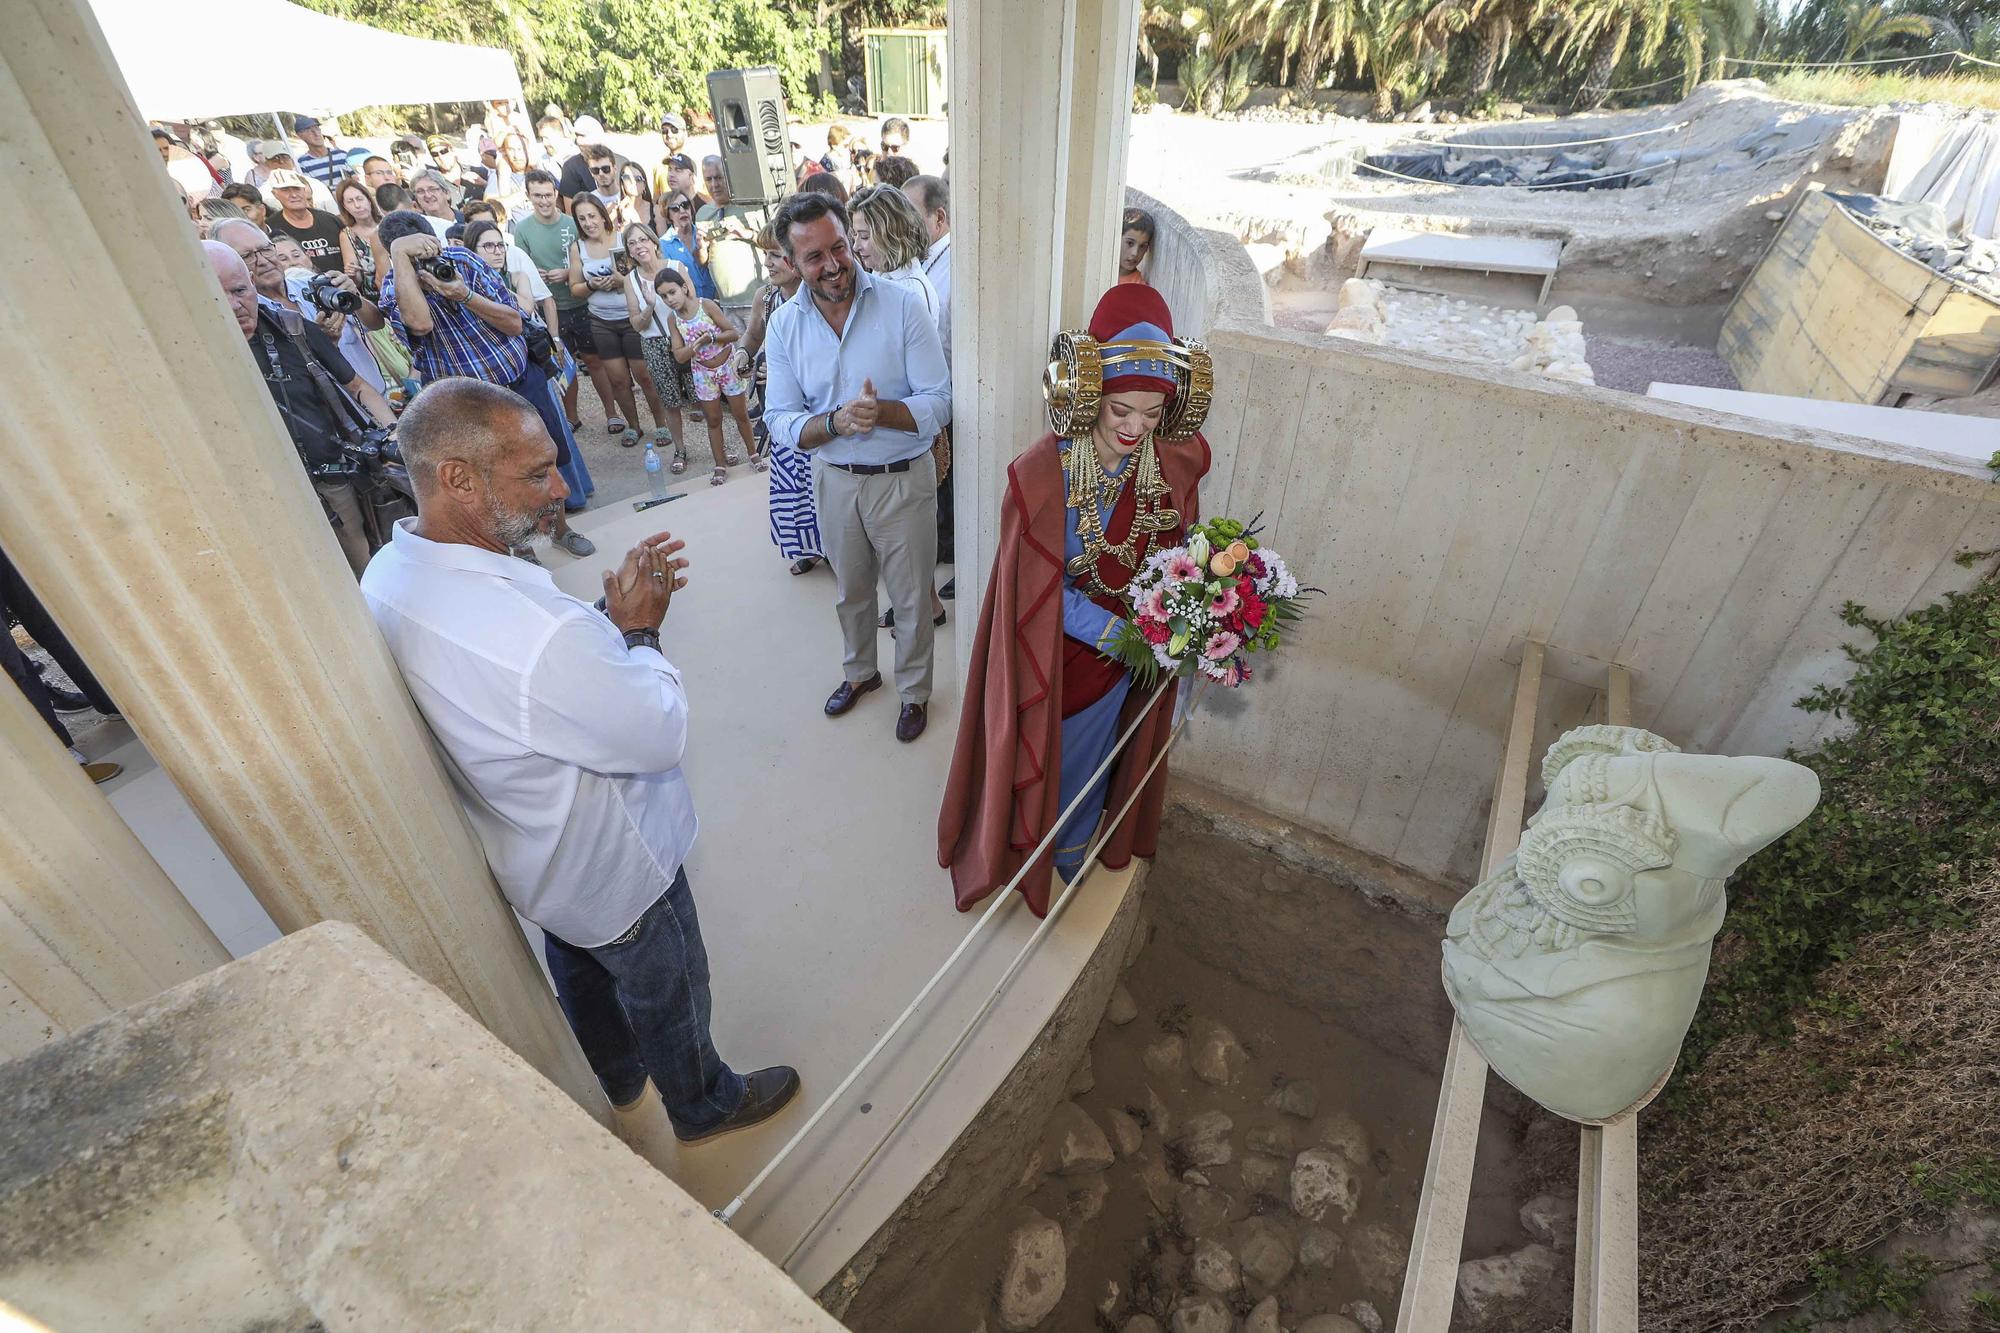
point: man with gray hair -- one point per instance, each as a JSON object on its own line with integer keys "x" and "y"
{"x": 563, "y": 729}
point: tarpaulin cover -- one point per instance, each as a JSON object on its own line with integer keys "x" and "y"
{"x": 1955, "y": 165}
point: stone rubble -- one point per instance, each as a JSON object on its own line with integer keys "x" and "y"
{"x": 1214, "y": 1053}
{"x": 1166, "y": 1055}
{"x": 1972, "y": 260}
{"x": 1365, "y": 1314}
{"x": 1126, "y": 1136}
{"x": 1489, "y": 1289}
{"x": 1551, "y": 1219}
{"x": 1324, "y": 1183}
{"x": 1082, "y": 1079}
{"x": 1328, "y": 1323}
{"x": 1295, "y": 1097}
{"x": 1463, "y": 329}
{"x": 1031, "y": 1281}
{"x": 1263, "y": 1317}
{"x": 1122, "y": 1009}
{"x": 1073, "y": 1145}
{"x": 1264, "y": 1253}
{"x": 1202, "y": 1314}
{"x": 1215, "y": 1268}
{"x": 1204, "y": 1139}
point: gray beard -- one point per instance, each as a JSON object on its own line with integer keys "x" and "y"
{"x": 514, "y": 531}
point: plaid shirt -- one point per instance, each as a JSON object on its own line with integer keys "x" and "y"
{"x": 460, "y": 342}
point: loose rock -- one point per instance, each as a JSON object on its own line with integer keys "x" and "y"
{"x": 1082, "y": 1079}
{"x": 1488, "y": 1289}
{"x": 1215, "y": 1268}
{"x": 1379, "y": 1255}
{"x": 1113, "y": 1297}
{"x": 1073, "y": 1144}
{"x": 1142, "y": 1323}
{"x": 1202, "y": 1314}
{"x": 1273, "y": 1140}
{"x": 1318, "y": 1247}
{"x": 1031, "y": 1282}
{"x": 1324, "y": 1183}
{"x": 1160, "y": 1186}
{"x": 1123, "y": 1008}
{"x": 1214, "y": 1053}
{"x": 1344, "y": 1134}
{"x": 1203, "y": 1211}
{"x": 1158, "y": 1118}
{"x": 1550, "y": 1219}
{"x": 1165, "y": 1056}
{"x": 1297, "y": 1097}
{"x": 1264, "y": 1317}
{"x": 1205, "y": 1138}
{"x": 1084, "y": 1206}
{"x": 1365, "y": 1314}
{"x": 1126, "y": 1136}
{"x": 1264, "y": 1175}
{"x": 1264, "y": 1253}
{"x": 1328, "y": 1323}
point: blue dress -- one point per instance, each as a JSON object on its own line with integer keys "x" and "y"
{"x": 1087, "y": 736}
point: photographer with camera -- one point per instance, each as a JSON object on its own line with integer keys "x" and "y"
{"x": 283, "y": 276}
{"x": 459, "y": 318}
{"x": 306, "y": 374}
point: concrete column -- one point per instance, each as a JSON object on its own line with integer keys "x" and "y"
{"x": 155, "y": 502}
{"x": 1041, "y": 99}
{"x": 89, "y": 923}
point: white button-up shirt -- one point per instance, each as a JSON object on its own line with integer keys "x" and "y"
{"x": 889, "y": 338}
{"x": 937, "y": 267}
{"x": 563, "y": 744}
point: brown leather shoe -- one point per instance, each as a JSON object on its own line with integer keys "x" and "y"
{"x": 843, "y": 698}
{"x": 910, "y": 723}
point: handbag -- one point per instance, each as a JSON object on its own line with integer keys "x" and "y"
{"x": 541, "y": 344}
{"x": 941, "y": 454}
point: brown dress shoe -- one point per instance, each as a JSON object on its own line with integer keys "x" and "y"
{"x": 102, "y": 771}
{"x": 843, "y": 698}
{"x": 910, "y": 723}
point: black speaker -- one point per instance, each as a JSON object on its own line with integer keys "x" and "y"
{"x": 754, "y": 131}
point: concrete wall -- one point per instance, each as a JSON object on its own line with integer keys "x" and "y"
{"x": 1449, "y": 515}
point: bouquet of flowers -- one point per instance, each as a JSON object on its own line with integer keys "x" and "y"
{"x": 1205, "y": 606}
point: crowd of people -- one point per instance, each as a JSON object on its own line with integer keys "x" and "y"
{"x": 456, "y": 303}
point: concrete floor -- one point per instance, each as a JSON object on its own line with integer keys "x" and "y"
{"x": 816, "y": 876}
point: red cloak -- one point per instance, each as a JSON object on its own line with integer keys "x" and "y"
{"x": 1001, "y": 797}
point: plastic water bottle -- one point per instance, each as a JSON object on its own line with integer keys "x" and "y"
{"x": 656, "y": 475}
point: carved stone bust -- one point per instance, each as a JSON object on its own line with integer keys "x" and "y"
{"x": 1576, "y": 966}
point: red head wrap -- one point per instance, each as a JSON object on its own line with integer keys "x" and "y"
{"x": 1134, "y": 310}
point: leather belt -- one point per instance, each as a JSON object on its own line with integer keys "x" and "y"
{"x": 871, "y": 469}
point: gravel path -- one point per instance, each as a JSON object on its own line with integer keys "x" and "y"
{"x": 1632, "y": 364}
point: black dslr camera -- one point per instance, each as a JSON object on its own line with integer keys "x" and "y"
{"x": 326, "y": 294}
{"x": 438, "y": 267}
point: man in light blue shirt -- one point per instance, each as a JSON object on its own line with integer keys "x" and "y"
{"x": 858, "y": 381}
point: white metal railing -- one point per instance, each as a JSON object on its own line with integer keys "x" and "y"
{"x": 1606, "y": 1294}
{"x": 1000, "y": 899}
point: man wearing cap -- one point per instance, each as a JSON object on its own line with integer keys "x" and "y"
{"x": 575, "y": 178}
{"x": 683, "y": 178}
{"x": 729, "y": 243}
{"x": 317, "y": 233}
{"x": 674, "y": 137}
{"x": 320, "y": 162}
{"x": 279, "y": 158}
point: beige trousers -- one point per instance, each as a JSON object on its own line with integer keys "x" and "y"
{"x": 882, "y": 526}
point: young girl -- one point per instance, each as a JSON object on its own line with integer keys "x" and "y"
{"x": 594, "y": 275}
{"x": 702, "y": 336}
{"x": 649, "y": 315}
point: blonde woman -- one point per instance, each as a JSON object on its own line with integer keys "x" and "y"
{"x": 887, "y": 235}
{"x": 672, "y": 383}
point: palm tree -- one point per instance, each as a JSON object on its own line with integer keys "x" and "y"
{"x": 1865, "y": 27}
{"x": 1312, "y": 33}
{"x": 1225, "y": 37}
{"x": 1496, "y": 24}
{"x": 1400, "y": 46}
{"x": 1599, "y": 31}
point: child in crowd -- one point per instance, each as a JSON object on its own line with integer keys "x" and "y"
{"x": 1135, "y": 245}
{"x": 703, "y": 338}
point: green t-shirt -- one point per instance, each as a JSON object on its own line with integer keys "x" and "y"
{"x": 733, "y": 260}
{"x": 547, "y": 244}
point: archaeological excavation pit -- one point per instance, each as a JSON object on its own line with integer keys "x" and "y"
{"x": 1243, "y": 1145}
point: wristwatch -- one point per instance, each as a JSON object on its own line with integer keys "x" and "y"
{"x": 643, "y": 638}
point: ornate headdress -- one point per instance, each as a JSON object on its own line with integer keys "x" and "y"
{"x": 1130, "y": 345}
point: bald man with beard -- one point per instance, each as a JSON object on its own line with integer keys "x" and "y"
{"x": 563, "y": 729}
{"x": 282, "y": 360}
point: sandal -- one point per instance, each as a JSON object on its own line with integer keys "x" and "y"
{"x": 629, "y": 438}
{"x": 805, "y": 564}
{"x": 717, "y": 477}
{"x": 615, "y": 426}
{"x": 729, "y": 459}
{"x": 758, "y": 463}
{"x": 679, "y": 462}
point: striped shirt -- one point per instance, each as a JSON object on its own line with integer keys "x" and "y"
{"x": 321, "y": 169}
{"x": 460, "y": 342}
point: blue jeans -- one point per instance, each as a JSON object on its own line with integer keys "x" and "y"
{"x": 543, "y": 395}
{"x": 639, "y": 1005}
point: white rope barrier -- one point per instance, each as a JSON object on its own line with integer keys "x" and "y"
{"x": 1840, "y": 64}
{"x": 1001, "y": 897}
{"x": 1977, "y": 60}
{"x": 965, "y": 1034}
{"x": 1464, "y": 144}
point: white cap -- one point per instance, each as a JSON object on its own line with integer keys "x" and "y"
{"x": 588, "y": 129}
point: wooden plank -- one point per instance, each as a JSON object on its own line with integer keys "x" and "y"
{"x": 1430, "y": 1280}
{"x": 1487, "y": 254}
{"x": 1956, "y": 351}
{"x": 1589, "y": 1167}
{"x": 1615, "y": 1287}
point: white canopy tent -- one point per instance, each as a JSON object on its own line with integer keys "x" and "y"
{"x": 252, "y": 57}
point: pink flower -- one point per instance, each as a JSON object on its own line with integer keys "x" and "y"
{"x": 1153, "y": 606}
{"x": 1183, "y": 569}
{"x": 1221, "y": 644}
{"x": 1235, "y": 674}
{"x": 1225, "y": 606}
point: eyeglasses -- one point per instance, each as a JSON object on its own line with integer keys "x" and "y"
{"x": 680, "y": 208}
{"x": 891, "y": 146}
{"x": 602, "y": 171}
{"x": 262, "y": 254}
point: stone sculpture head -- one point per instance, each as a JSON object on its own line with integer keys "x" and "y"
{"x": 1576, "y": 967}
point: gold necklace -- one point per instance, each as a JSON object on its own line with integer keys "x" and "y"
{"x": 1091, "y": 491}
